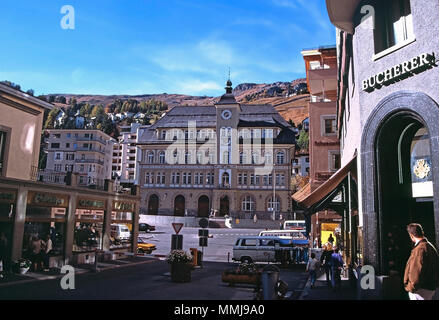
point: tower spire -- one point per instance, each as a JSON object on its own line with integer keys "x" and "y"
{"x": 229, "y": 88}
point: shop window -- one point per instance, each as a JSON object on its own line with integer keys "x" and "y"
{"x": 394, "y": 23}
{"x": 42, "y": 223}
{"x": 88, "y": 230}
{"x": 121, "y": 232}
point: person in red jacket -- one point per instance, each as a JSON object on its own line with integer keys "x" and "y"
{"x": 421, "y": 276}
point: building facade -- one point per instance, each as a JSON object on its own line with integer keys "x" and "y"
{"x": 301, "y": 164}
{"x": 124, "y": 155}
{"x": 85, "y": 152}
{"x": 388, "y": 117}
{"x": 228, "y": 159}
{"x": 78, "y": 218}
{"x": 324, "y": 145}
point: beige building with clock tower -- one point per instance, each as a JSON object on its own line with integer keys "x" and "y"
{"x": 228, "y": 159}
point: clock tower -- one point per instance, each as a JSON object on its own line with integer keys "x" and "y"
{"x": 227, "y": 119}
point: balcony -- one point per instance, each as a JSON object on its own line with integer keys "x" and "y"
{"x": 91, "y": 150}
{"x": 101, "y": 162}
{"x": 322, "y": 80}
{"x": 224, "y": 186}
{"x": 83, "y": 139}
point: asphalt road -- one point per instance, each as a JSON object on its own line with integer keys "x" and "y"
{"x": 218, "y": 246}
{"x": 148, "y": 281}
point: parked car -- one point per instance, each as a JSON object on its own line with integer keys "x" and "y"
{"x": 146, "y": 227}
{"x": 120, "y": 232}
{"x": 145, "y": 247}
{"x": 252, "y": 249}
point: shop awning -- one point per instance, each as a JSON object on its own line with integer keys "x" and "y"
{"x": 328, "y": 190}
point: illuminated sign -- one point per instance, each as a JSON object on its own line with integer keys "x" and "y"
{"x": 48, "y": 200}
{"x": 123, "y": 206}
{"x": 401, "y": 71}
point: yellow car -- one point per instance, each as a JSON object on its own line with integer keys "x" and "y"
{"x": 145, "y": 247}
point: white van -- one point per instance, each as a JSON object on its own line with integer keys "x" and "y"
{"x": 120, "y": 232}
{"x": 261, "y": 249}
{"x": 294, "y": 225}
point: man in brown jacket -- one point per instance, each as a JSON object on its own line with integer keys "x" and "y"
{"x": 421, "y": 277}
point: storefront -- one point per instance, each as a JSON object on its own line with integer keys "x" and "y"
{"x": 45, "y": 218}
{"x": 122, "y": 231}
{"x": 388, "y": 114}
{"x": 7, "y": 212}
{"x": 77, "y": 220}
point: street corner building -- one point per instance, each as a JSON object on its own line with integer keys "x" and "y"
{"x": 387, "y": 123}
{"x": 68, "y": 200}
{"x": 223, "y": 160}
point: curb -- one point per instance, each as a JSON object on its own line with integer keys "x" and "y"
{"x": 83, "y": 271}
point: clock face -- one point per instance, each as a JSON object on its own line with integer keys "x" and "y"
{"x": 226, "y": 114}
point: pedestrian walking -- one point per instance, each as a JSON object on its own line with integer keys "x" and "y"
{"x": 331, "y": 239}
{"x": 336, "y": 268}
{"x": 47, "y": 251}
{"x": 421, "y": 276}
{"x": 325, "y": 261}
{"x": 36, "y": 248}
{"x": 312, "y": 267}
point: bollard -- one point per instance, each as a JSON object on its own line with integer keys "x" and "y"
{"x": 270, "y": 277}
{"x": 228, "y": 257}
{"x": 96, "y": 269}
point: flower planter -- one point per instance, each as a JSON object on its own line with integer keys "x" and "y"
{"x": 181, "y": 272}
{"x": 233, "y": 278}
{"x": 24, "y": 270}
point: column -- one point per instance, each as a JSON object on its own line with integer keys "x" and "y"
{"x": 107, "y": 225}
{"x": 70, "y": 228}
{"x": 18, "y": 227}
{"x": 135, "y": 228}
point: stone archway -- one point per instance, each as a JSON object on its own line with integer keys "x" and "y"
{"x": 179, "y": 206}
{"x": 203, "y": 206}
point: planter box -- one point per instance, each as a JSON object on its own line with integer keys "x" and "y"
{"x": 233, "y": 278}
{"x": 181, "y": 272}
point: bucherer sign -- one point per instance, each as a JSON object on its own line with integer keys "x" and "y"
{"x": 403, "y": 70}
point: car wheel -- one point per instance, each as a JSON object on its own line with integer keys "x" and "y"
{"x": 246, "y": 260}
{"x": 140, "y": 251}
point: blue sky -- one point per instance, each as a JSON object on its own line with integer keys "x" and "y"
{"x": 156, "y": 46}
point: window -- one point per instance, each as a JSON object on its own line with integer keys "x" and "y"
{"x": 248, "y": 204}
{"x": 268, "y": 180}
{"x": 255, "y": 158}
{"x": 162, "y": 157}
{"x": 209, "y": 178}
{"x": 273, "y": 205}
{"x": 225, "y": 179}
{"x": 2, "y": 151}
{"x": 280, "y": 179}
{"x": 57, "y": 135}
{"x": 69, "y": 135}
{"x": 249, "y": 242}
{"x": 175, "y": 178}
{"x": 70, "y": 156}
{"x": 334, "y": 160}
{"x": 58, "y": 167}
{"x": 67, "y": 145}
{"x": 394, "y": 23}
{"x": 54, "y": 145}
{"x": 268, "y": 158}
{"x": 225, "y": 157}
{"x": 57, "y": 156}
{"x": 330, "y": 126}
{"x": 150, "y": 157}
{"x": 280, "y": 157}
{"x": 244, "y": 179}
{"x": 149, "y": 178}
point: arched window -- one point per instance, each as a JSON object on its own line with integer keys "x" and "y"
{"x": 268, "y": 158}
{"x": 150, "y": 157}
{"x": 280, "y": 157}
{"x": 162, "y": 157}
{"x": 248, "y": 204}
{"x": 273, "y": 204}
{"x": 242, "y": 158}
{"x": 225, "y": 157}
{"x": 225, "y": 179}
{"x": 255, "y": 158}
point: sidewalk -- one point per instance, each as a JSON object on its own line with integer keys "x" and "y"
{"x": 55, "y": 273}
{"x": 322, "y": 292}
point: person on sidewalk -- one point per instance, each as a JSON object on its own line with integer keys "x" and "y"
{"x": 331, "y": 239}
{"x": 336, "y": 266}
{"x": 47, "y": 251}
{"x": 421, "y": 276}
{"x": 325, "y": 261}
{"x": 312, "y": 267}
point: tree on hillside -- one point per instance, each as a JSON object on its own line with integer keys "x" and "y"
{"x": 303, "y": 141}
{"x": 97, "y": 111}
{"x": 61, "y": 99}
{"x": 51, "y": 117}
{"x": 51, "y": 99}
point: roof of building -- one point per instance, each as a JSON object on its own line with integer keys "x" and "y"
{"x": 24, "y": 96}
{"x": 257, "y": 115}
